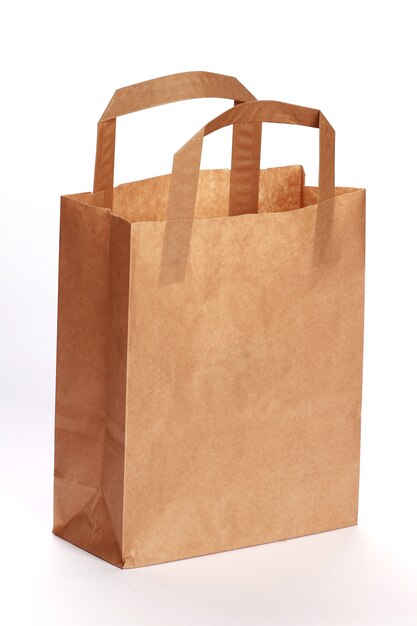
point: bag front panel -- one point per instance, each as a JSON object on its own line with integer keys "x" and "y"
{"x": 244, "y": 381}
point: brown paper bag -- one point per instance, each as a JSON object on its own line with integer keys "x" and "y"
{"x": 209, "y": 346}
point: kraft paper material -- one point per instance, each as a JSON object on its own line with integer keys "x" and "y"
{"x": 210, "y": 337}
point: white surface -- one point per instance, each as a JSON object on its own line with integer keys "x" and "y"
{"x": 60, "y": 65}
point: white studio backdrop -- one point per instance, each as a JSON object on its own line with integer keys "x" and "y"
{"x": 61, "y": 63}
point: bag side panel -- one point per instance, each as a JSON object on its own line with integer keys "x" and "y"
{"x": 114, "y": 444}
{"x": 81, "y": 514}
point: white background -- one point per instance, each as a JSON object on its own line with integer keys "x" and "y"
{"x": 60, "y": 63}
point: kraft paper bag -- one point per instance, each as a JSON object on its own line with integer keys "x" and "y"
{"x": 210, "y": 332}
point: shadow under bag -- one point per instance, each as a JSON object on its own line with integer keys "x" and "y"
{"x": 210, "y": 333}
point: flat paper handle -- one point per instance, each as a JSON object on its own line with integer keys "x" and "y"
{"x": 174, "y": 88}
{"x": 186, "y": 166}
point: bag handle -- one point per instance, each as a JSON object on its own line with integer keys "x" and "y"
{"x": 174, "y": 88}
{"x": 186, "y": 165}
{"x": 186, "y": 170}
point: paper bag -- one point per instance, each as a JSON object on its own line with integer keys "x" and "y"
{"x": 210, "y": 331}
